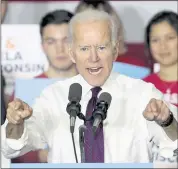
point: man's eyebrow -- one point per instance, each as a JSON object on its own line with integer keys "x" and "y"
{"x": 48, "y": 38}
{"x": 52, "y": 38}
{"x": 84, "y": 46}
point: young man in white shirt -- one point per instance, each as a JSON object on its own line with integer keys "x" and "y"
{"x": 53, "y": 31}
{"x": 136, "y": 116}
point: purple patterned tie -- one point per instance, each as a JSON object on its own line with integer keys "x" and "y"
{"x": 94, "y": 146}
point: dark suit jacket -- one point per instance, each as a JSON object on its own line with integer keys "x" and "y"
{"x": 3, "y": 107}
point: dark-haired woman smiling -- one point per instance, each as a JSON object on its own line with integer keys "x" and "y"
{"x": 161, "y": 39}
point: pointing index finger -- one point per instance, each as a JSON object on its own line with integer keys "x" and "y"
{"x": 18, "y": 104}
{"x": 153, "y": 105}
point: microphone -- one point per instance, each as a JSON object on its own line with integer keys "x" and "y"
{"x": 100, "y": 111}
{"x": 74, "y": 107}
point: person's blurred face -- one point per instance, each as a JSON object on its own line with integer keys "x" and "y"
{"x": 164, "y": 44}
{"x": 54, "y": 42}
{"x": 3, "y": 9}
{"x": 93, "y": 51}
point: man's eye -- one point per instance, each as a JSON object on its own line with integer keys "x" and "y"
{"x": 50, "y": 41}
{"x": 101, "y": 47}
{"x": 84, "y": 49}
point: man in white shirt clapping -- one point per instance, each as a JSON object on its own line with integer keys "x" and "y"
{"x": 137, "y": 114}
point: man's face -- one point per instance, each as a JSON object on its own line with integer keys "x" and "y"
{"x": 93, "y": 51}
{"x": 54, "y": 42}
{"x": 3, "y": 9}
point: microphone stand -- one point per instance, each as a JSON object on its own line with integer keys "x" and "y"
{"x": 82, "y": 129}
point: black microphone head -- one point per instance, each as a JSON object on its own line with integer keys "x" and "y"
{"x": 75, "y": 92}
{"x": 106, "y": 97}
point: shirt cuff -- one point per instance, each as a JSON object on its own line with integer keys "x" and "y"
{"x": 20, "y": 143}
{"x": 167, "y": 149}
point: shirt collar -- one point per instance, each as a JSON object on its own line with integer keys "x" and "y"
{"x": 86, "y": 88}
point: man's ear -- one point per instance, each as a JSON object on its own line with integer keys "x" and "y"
{"x": 115, "y": 50}
{"x": 70, "y": 53}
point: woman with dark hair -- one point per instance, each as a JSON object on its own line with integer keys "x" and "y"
{"x": 161, "y": 40}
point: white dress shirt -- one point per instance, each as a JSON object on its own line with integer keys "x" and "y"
{"x": 127, "y": 134}
{"x": 5, "y": 163}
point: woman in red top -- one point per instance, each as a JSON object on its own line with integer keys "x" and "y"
{"x": 162, "y": 44}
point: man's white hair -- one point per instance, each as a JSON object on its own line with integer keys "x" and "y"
{"x": 93, "y": 15}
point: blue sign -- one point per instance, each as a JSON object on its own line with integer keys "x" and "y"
{"x": 133, "y": 71}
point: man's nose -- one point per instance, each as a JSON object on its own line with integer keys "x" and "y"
{"x": 59, "y": 47}
{"x": 94, "y": 55}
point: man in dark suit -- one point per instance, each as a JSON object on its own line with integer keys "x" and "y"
{"x": 3, "y": 109}
{"x": 5, "y": 163}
